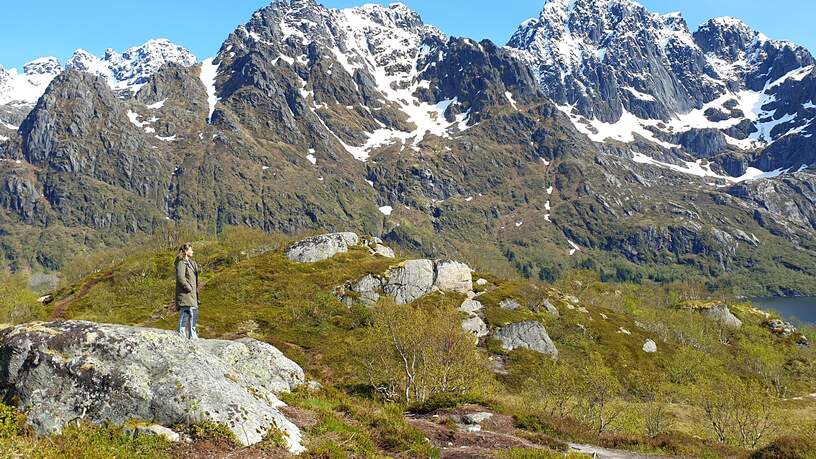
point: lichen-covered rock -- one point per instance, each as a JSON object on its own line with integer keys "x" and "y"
{"x": 649, "y": 346}
{"x": 322, "y": 247}
{"x": 471, "y": 306}
{"x": 367, "y": 289}
{"x": 410, "y": 281}
{"x": 453, "y": 276}
{"x": 62, "y": 371}
{"x": 474, "y": 324}
{"x": 509, "y": 304}
{"x": 529, "y": 334}
{"x": 721, "y": 314}
{"x": 552, "y": 310}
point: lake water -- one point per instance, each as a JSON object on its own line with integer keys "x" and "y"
{"x": 801, "y": 307}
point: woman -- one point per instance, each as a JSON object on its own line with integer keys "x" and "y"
{"x": 187, "y": 292}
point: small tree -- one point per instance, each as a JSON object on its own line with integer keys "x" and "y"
{"x": 601, "y": 390}
{"x": 754, "y": 415}
{"x": 738, "y": 412}
{"x": 411, "y": 353}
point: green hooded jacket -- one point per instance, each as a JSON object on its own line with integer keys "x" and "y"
{"x": 186, "y": 284}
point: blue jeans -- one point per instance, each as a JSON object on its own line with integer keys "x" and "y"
{"x": 188, "y": 318}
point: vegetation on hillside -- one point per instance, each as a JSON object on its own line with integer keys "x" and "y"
{"x": 708, "y": 391}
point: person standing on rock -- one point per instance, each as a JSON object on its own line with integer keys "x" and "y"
{"x": 187, "y": 292}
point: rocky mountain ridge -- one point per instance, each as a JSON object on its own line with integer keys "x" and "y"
{"x": 123, "y": 72}
{"x": 367, "y": 119}
{"x": 721, "y": 92}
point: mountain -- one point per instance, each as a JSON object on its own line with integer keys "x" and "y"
{"x": 725, "y": 92}
{"x": 366, "y": 119}
{"x": 18, "y": 92}
{"x": 134, "y": 67}
{"x": 123, "y": 72}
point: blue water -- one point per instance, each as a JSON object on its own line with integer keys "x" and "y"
{"x": 802, "y": 308}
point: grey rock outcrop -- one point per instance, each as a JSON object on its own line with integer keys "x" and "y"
{"x": 510, "y": 304}
{"x": 721, "y": 314}
{"x": 474, "y": 324}
{"x": 322, "y": 247}
{"x": 63, "y": 371}
{"x": 453, "y": 276}
{"x": 529, "y": 334}
{"x": 780, "y": 327}
{"x": 410, "y": 281}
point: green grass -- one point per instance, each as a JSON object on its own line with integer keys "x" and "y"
{"x": 253, "y": 290}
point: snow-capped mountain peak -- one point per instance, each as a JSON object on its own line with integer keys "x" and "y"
{"x": 25, "y": 88}
{"x": 622, "y": 72}
{"x": 132, "y": 68}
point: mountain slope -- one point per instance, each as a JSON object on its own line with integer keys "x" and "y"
{"x": 367, "y": 119}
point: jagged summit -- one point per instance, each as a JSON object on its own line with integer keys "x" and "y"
{"x": 624, "y": 73}
{"x": 133, "y": 67}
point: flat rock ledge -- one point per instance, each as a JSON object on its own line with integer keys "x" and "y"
{"x": 59, "y": 372}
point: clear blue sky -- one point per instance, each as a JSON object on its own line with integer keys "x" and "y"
{"x": 34, "y": 28}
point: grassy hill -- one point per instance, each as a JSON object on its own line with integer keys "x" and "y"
{"x": 708, "y": 391}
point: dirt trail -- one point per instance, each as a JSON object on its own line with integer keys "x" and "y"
{"x": 61, "y": 305}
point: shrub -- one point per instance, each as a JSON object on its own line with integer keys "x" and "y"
{"x": 411, "y": 354}
{"x": 12, "y": 422}
{"x": 445, "y": 400}
{"x": 788, "y": 448}
{"x": 212, "y": 431}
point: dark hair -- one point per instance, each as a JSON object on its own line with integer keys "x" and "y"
{"x": 182, "y": 250}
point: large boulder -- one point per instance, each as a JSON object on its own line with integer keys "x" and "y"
{"x": 453, "y": 276}
{"x": 529, "y": 334}
{"x": 318, "y": 248}
{"x": 722, "y": 315}
{"x": 410, "y": 280}
{"x": 63, "y": 371}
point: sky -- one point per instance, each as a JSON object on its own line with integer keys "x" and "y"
{"x": 35, "y": 28}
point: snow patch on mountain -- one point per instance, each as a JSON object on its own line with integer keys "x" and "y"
{"x": 209, "y": 73}
{"x": 702, "y": 168}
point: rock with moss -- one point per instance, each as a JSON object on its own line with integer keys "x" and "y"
{"x": 322, "y": 247}
{"x": 511, "y": 304}
{"x": 529, "y": 334}
{"x": 550, "y": 308}
{"x": 722, "y": 315}
{"x": 475, "y": 325}
{"x": 453, "y": 276}
{"x": 59, "y": 372}
{"x": 366, "y": 290}
{"x": 410, "y": 281}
